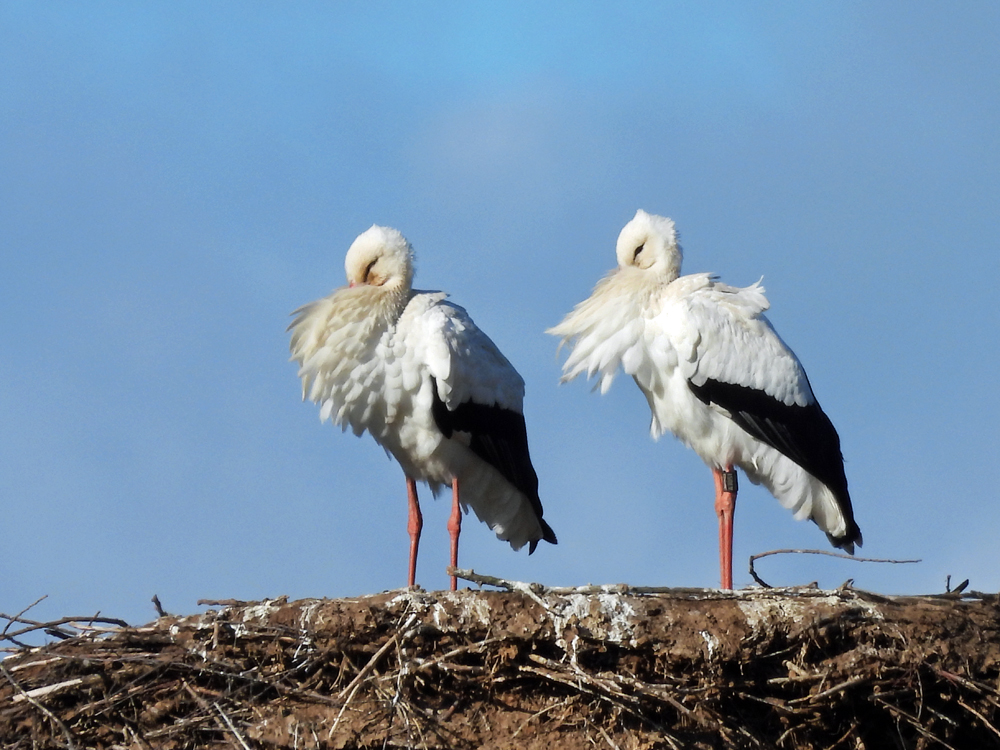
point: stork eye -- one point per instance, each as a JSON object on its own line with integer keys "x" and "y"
{"x": 368, "y": 270}
{"x": 637, "y": 251}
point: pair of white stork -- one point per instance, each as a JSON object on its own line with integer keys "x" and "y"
{"x": 413, "y": 370}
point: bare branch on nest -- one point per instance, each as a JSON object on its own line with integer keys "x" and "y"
{"x": 828, "y": 553}
{"x": 55, "y": 627}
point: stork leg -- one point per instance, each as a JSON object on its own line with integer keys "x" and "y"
{"x": 454, "y": 529}
{"x": 725, "y": 506}
{"x": 413, "y": 526}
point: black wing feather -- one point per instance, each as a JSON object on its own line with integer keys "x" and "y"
{"x": 499, "y": 437}
{"x": 802, "y": 433}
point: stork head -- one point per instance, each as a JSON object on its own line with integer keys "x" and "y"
{"x": 649, "y": 242}
{"x": 380, "y": 256}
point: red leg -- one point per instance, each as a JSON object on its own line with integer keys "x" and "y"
{"x": 413, "y": 526}
{"x": 454, "y": 529}
{"x": 725, "y": 506}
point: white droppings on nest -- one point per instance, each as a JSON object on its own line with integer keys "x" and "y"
{"x": 437, "y": 612}
{"x": 761, "y": 613}
{"x": 710, "y": 641}
{"x": 471, "y": 609}
{"x": 614, "y": 620}
{"x": 621, "y": 617}
{"x": 413, "y": 601}
{"x": 307, "y": 614}
{"x": 403, "y": 597}
{"x": 201, "y": 621}
{"x": 260, "y": 611}
{"x": 869, "y": 609}
{"x": 464, "y": 609}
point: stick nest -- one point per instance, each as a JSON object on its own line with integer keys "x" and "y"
{"x": 529, "y": 667}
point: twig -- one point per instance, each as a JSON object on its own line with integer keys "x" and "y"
{"x": 355, "y": 684}
{"x": 979, "y": 716}
{"x": 783, "y": 735}
{"x": 370, "y": 665}
{"x": 36, "y": 663}
{"x": 232, "y": 727}
{"x": 829, "y": 691}
{"x": 757, "y": 578}
{"x": 444, "y": 658}
{"x": 343, "y": 708}
{"x": 946, "y": 719}
{"x": 607, "y": 738}
{"x": 777, "y": 704}
{"x": 137, "y": 736}
{"x": 585, "y": 686}
{"x": 535, "y": 589}
{"x": 962, "y": 595}
{"x": 660, "y": 692}
{"x": 17, "y": 617}
{"x": 844, "y": 736}
{"x": 55, "y": 719}
{"x": 971, "y": 684}
{"x": 223, "y": 723}
{"x": 958, "y": 589}
{"x": 914, "y": 722}
{"x": 158, "y": 606}
{"x": 47, "y": 689}
{"x": 110, "y": 701}
{"x": 537, "y": 714}
{"x": 54, "y": 624}
{"x": 601, "y": 689}
{"x": 531, "y": 590}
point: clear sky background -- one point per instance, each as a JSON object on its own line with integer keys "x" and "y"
{"x": 177, "y": 177}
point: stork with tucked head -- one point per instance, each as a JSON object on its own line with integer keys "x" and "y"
{"x": 414, "y": 371}
{"x": 716, "y": 375}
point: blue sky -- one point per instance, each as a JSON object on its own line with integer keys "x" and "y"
{"x": 175, "y": 178}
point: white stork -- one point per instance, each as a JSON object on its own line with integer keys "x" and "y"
{"x": 414, "y": 371}
{"x": 716, "y": 375}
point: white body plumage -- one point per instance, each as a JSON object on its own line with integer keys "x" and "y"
{"x": 382, "y": 358}
{"x": 715, "y": 374}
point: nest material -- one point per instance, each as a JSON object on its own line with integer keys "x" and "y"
{"x": 529, "y": 668}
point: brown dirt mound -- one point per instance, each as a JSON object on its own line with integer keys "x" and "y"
{"x": 529, "y": 668}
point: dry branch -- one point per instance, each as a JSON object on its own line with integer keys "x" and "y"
{"x": 828, "y": 553}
